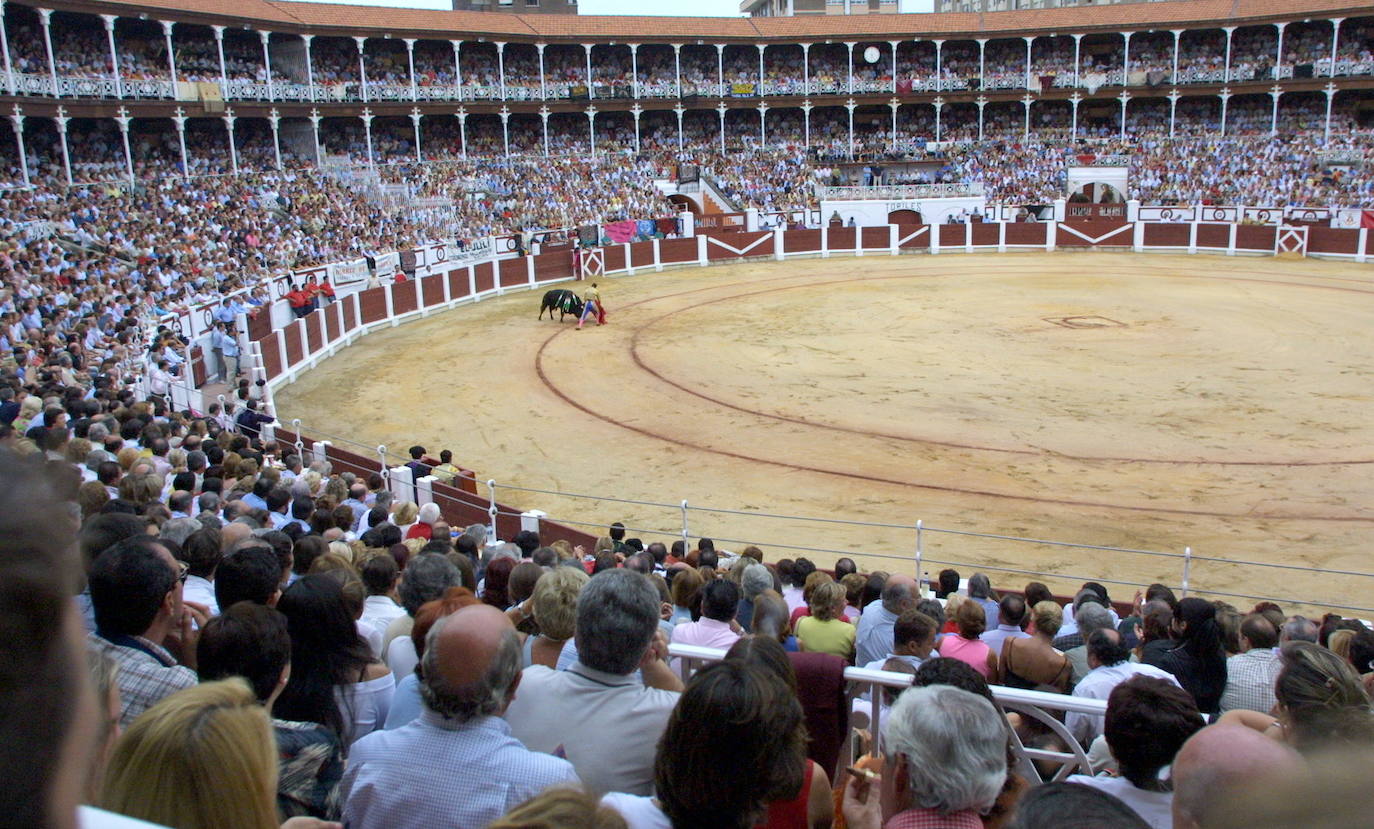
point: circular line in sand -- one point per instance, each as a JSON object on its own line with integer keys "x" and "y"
{"x": 561, "y": 394}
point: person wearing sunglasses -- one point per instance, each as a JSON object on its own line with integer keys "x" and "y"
{"x": 142, "y": 622}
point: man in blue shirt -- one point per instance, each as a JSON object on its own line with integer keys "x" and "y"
{"x": 225, "y": 348}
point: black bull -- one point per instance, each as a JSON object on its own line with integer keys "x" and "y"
{"x": 563, "y": 301}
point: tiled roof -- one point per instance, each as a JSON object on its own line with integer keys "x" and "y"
{"x": 300, "y": 16}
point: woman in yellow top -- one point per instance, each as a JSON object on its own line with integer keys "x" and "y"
{"x": 823, "y": 631}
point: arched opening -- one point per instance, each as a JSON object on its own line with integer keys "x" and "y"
{"x": 905, "y": 217}
{"x": 1096, "y": 192}
{"x": 681, "y": 202}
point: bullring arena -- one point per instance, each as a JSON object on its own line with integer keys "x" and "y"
{"x": 1075, "y": 301}
{"x": 1133, "y": 401}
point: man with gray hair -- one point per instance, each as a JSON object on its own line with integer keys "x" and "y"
{"x": 946, "y": 761}
{"x": 874, "y": 636}
{"x": 752, "y": 582}
{"x": 597, "y": 713}
{"x": 425, "y": 579}
{"x": 473, "y": 770}
{"x": 1092, "y": 617}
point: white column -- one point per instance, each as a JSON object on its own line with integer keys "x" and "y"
{"x": 850, "y": 46}
{"x": 939, "y": 105}
{"x": 45, "y": 18}
{"x": 1330, "y": 90}
{"x": 1225, "y": 96}
{"x": 720, "y": 66}
{"x": 982, "y": 63}
{"x": 1278, "y": 51}
{"x": 501, "y": 66}
{"x": 939, "y": 64}
{"x": 1177, "y": 34}
{"x": 505, "y": 129}
{"x": 123, "y": 119}
{"x": 458, "y": 68}
{"x": 981, "y": 101}
{"x": 114, "y": 55}
{"x": 1274, "y": 92}
{"x": 166, "y": 36}
{"x": 1026, "y": 101}
{"x": 720, "y": 108}
{"x": 5, "y": 49}
{"x": 806, "y": 68}
{"x": 309, "y": 66}
{"x": 62, "y": 120}
{"x": 1125, "y": 98}
{"x": 1074, "y": 100}
{"x": 274, "y": 118}
{"x": 806, "y": 122}
{"x": 1030, "y": 39}
{"x": 410, "y": 62}
{"x": 636, "y": 111}
{"x": 893, "y": 44}
{"x": 677, "y": 69}
{"x": 1078, "y": 57}
{"x": 17, "y": 122}
{"x": 366, "y": 115}
{"x": 591, "y": 128}
{"x": 362, "y": 70}
{"x": 463, "y": 130}
{"x": 761, "y": 47}
{"x": 763, "y": 121}
{"x": 1230, "y": 30}
{"x": 543, "y": 84}
{"x": 894, "y": 103}
{"x": 544, "y": 117}
{"x": 634, "y": 77}
{"x": 1126, "y": 58}
{"x": 315, "y": 128}
{"x": 267, "y": 64}
{"x": 415, "y": 116}
{"x": 587, "y": 47}
{"x": 1335, "y": 38}
{"x": 1173, "y": 97}
{"x": 850, "y": 105}
{"x": 679, "y": 110}
{"x": 219, "y": 47}
{"x": 229, "y": 120}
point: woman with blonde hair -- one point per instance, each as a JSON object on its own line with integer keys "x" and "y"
{"x": 405, "y": 514}
{"x": 825, "y": 631}
{"x": 1031, "y": 663}
{"x": 561, "y": 808}
{"x": 554, "y": 608}
{"x": 105, "y": 679}
{"x": 202, "y": 758}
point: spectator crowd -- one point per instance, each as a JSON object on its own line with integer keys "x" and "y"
{"x": 207, "y": 629}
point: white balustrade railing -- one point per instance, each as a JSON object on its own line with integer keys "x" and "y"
{"x": 27, "y": 84}
{"x": 246, "y": 91}
{"x": 897, "y": 192}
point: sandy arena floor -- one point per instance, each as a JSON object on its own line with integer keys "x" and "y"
{"x": 1140, "y": 401}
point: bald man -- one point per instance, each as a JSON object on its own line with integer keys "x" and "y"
{"x": 1221, "y": 760}
{"x": 457, "y": 765}
{"x": 873, "y": 639}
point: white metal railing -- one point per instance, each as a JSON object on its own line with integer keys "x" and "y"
{"x": 894, "y": 192}
{"x": 27, "y": 84}
{"x": 862, "y": 684}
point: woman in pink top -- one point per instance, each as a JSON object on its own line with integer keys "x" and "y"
{"x": 965, "y": 645}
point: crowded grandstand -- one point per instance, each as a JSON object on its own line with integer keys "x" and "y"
{"x": 214, "y": 618}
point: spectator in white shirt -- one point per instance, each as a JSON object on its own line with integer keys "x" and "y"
{"x": 1148, "y": 721}
{"x": 380, "y": 577}
{"x": 1107, "y": 659}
